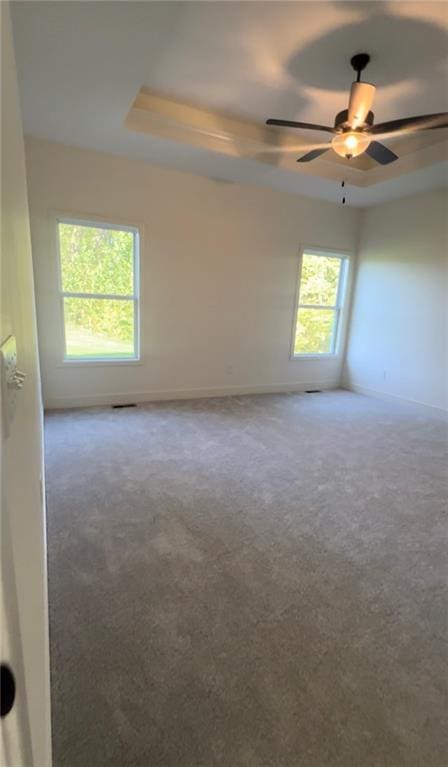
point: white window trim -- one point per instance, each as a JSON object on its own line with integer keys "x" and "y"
{"x": 135, "y": 297}
{"x": 339, "y": 308}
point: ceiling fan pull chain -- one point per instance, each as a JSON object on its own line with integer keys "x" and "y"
{"x": 342, "y": 186}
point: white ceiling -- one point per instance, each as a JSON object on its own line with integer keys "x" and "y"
{"x": 81, "y": 65}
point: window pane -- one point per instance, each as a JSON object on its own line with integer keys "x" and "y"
{"x": 319, "y": 280}
{"x": 95, "y": 260}
{"x": 314, "y": 331}
{"x": 99, "y": 328}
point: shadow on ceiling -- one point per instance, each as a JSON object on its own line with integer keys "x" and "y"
{"x": 402, "y": 50}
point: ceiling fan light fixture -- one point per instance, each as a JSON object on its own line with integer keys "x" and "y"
{"x": 350, "y": 144}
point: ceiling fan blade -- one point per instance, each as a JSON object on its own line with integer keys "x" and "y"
{"x": 360, "y": 103}
{"x": 304, "y": 126}
{"x": 313, "y": 154}
{"x": 422, "y": 122}
{"x": 381, "y": 153}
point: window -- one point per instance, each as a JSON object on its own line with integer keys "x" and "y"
{"x": 99, "y": 290}
{"x": 321, "y": 294}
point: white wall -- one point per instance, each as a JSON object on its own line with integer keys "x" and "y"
{"x": 219, "y": 264}
{"x": 398, "y": 341}
{"x": 24, "y": 618}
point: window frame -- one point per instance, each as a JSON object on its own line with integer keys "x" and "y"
{"x": 135, "y": 297}
{"x": 339, "y": 308}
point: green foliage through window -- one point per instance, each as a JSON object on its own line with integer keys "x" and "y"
{"x": 319, "y": 280}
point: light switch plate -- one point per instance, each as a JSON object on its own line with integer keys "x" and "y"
{"x": 8, "y": 352}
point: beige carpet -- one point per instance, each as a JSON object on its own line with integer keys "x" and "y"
{"x": 248, "y": 582}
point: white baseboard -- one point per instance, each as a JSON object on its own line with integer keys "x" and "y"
{"x": 58, "y": 403}
{"x": 419, "y": 408}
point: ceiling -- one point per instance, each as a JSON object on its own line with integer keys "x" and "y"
{"x": 82, "y": 64}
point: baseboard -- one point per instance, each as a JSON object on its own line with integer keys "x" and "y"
{"x": 419, "y": 408}
{"x": 61, "y": 403}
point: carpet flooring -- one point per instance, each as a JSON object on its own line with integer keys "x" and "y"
{"x": 248, "y": 582}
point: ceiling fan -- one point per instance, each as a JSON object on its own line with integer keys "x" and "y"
{"x": 354, "y": 131}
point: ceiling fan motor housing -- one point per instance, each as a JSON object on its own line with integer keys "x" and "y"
{"x": 340, "y": 121}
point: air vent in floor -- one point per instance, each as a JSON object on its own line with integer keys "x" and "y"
{"x": 131, "y": 404}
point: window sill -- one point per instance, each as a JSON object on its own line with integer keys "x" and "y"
{"x": 304, "y": 357}
{"x": 98, "y": 363}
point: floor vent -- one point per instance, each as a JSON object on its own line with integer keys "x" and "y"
{"x": 131, "y": 404}
{"x": 313, "y": 391}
